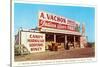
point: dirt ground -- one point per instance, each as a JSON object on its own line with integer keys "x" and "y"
{"x": 60, "y": 54}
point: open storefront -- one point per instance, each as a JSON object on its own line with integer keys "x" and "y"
{"x": 62, "y": 41}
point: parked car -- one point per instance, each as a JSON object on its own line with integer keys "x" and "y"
{"x": 20, "y": 50}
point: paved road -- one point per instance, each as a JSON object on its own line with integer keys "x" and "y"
{"x": 61, "y": 54}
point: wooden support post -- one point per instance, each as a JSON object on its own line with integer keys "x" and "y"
{"x": 74, "y": 41}
{"x": 65, "y": 45}
{"x": 65, "y": 39}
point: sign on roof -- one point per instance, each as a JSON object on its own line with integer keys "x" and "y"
{"x": 48, "y": 20}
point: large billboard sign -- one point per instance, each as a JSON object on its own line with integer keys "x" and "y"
{"x": 49, "y": 20}
{"x": 34, "y": 42}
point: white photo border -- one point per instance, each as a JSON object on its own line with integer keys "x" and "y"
{"x": 45, "y": 62}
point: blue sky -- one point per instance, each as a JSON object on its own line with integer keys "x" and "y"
{"x": 26, "y": 16}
